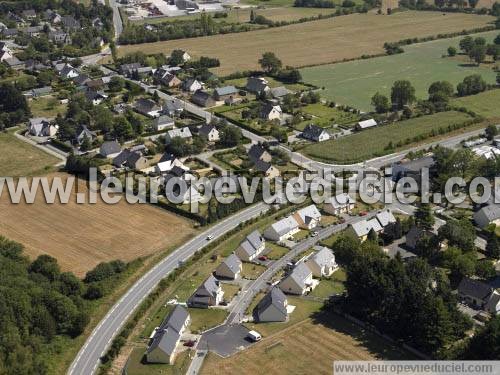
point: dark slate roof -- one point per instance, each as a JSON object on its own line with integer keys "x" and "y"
{"x": 279, "y": 92}
{"x": 492, "y": 212}
{"x": 163, "y": 120}
{"x": 176, "y": 319}
{"x": 256, "y": 152}
{"x": 206, "y": 129}
{"x": 474, "y": 288}
{"x": 226, "y": 90}
{"x": 252, "y": 242}
{"x": 145, "y": 105}
{"x": 81, "y": 79}
{"x": 110, "y": 147}
{"x": 274, "y": 297}
{"x": 70, "y": 22}
{"x": 166, "y": 340}
{"x": 201, "y": 96}
{"x": 262, "y": 166}
{"x": 121, "y": 158}
{"x": 312, "y": 131}
{"x": 233, "y": 263}
{"x": 415, "y": 234}
{"x": 166, "y": 157}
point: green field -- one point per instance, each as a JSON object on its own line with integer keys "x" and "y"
{"x": 485, "y": 104}
{"x": 372, "y": 142}
{"x": 354, "y": 83}
{"x": 325, "y": 116}
{"x": 19, "y": 158}
{"x": 47, "y": 106}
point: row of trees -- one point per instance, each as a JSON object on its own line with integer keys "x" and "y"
{"x": 477, "y": 49}
{"x": 14, "y": 107}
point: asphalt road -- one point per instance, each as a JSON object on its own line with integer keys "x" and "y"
{"x": 96, "y": 345}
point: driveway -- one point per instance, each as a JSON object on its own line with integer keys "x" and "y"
{"x": 225, "y": 340}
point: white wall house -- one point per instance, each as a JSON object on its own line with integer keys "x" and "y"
{"x": 340, "y": 204}
{"x": 282, "y": 230}
{"x": 322, "y": 263}
{"x": 299, "y": 281}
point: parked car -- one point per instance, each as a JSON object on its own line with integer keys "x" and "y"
{"x": 314, "y": 234}
{"x": 363, "y": 213}
{"x": 254, "y": 336}
{"x": 263, "y": 258}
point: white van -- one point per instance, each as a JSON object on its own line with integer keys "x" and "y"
{"x": 254, "y": 336}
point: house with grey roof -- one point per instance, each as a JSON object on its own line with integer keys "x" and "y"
{"x": 147, "y": 107}
{"x": 339, "y": 204}
{"x": 42, "y": 127}
{"x": 251, "y": 247}
{"x": 272, "y": 308}
{"x": 226, "y": 92}
{"x": 257, "y": 152}
{"x": 110, "y": 149}
{"x": 270, "y": 112}
{"x": 230, "y": 268}
{"x": 269, "y": 170}
{"x": 163, "y": 122}
{"x": 282, "y": 229}
{"x": 487, "y": 215}
{"x": 208, "y": 294}
{"x": 173, "y": 108}
{"x": 40, "y": 91}
{"x": 84, "y": 133}
{"x": 203, "y": 99}
{"x": 280, "y": 92}
{"x": 299, "y": 281}
{"x": 67, "y": 71}
{"x": 385, "y": 217}
{"x": 131, "y": 159}
{"x": 315, "y": 133}
{"x": 209, "y": 132}
{"x": 366, "y": 124}
{"x": 308, "y": 217}
{"x": 184, "y": 133}
{"x": 493, "y": 304}
{"x": 257, "y": 85}
{"x": 322, "y": 263}
{"x": 361, "y": 228}
{"x": 70, "y": 23}
{"x": 60, "y": 37}
{"x": 129, "y": 69}
{"x": 474, "y": 292}
{"x": 192, "y": 85}
{"x": 414, "y": 235}
{"x": 28, "y": 14}
{"x": 167, "y": 337}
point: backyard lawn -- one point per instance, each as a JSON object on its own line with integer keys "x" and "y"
{"x": 252, "y": 271}
{"x": 136, "y": 365}
{"x": 331, "y": 285}
{"x": 46, "y": 106}
{"x": 485, "y": 104}
{"x": 325, "y": 116}
{"x": 19, "y": 158}
{"x": 230, "y": 291}
{"x": 203, "y": 319}
{"x": 276, "y": 251}
{"x": 373, "y": 142}
{"x": 354, "y": 83}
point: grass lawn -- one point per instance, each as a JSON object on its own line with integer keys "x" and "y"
{"x": 230, "y": 291}
{"x": 300, "y": 235}
{"x": 203, "y": 319}
{"x": 137, "y": 366}
{"x": 46, "y": 106}
{"x": 276, "y": 252}
{"x": 354, "y": 83}
{"x": 308, "y": 347}
{"x": 485, "y": 104}
{"x": 252, "y": 271}
{"x": 19, "y": 158}
{"x": 372, "y": 142}
{"x": 255, "y": 302}
{"x": 325, "y": 116}
{"x": 321, "y": 42}
{"x": 331, "y": 285}
{"x": 329, "y": 241}
{"x": 327, "y": 220}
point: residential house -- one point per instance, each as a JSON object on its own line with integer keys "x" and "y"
{"x": 282, "y": 229}
{"x": 60, "y": 37}
{"x": 366, "y": 124}
{"x": 487, "y": 215}
{"x": 192, "y": 85}
{"x": 412, "y": 169}
{"x": 414, "y": 235}
{"x": 28, "y": 14}
{"x": 251, "y": 247}
{"x": 209, "y": 132}
{"x": 167, "y": 336}
{"x": 167, "y": 162}
{"x": 66, "y": 71}
{"x": 257, "y": 85}
{"x": 42, "y": 127}
{"x": 322, "y": 263}
{"x": 97, "y": 23}
{"x": 308, "y": 217}
{"x": 226, "y": 92}
{"x": 203, "y": 99}
{"x": 96, "y": 84}
{"x": 136, "y": 161}
{"x": 70, "y": 23}
{"x": 9, "y": 33}
{"x": 96, "y": 97}
{"x": 5, "y": 52}
{"x": 257, "y": 152}
{"x": 339, "y": 204}
{"x": 147, "y": 107}
{"x": 34, "y": 66}
{"x": 493, "y": 304}
{"x": 361, "y": 228}
{"x": 315, "y": 133}
{"x": 110, "y": 149}
{"x": 208, "y": 294}
{"x": 163, "y": 122}
{"x": 33, "y": 31}
{"x": 270, "y": 112}
{"x": 81, "y": 80}
{"x": 272, "y": 308}
{"x": 52, "y": 17}
{"x": 40, "y": 91}
{"x": 299, "y": 281}
{"x": 15, "y": 63}
{"x": 230, "y": 268}
{"x": 474, "y": 292}
{"x": 173, "y": 108}
{"x": 267, "y": 169}
{"x": 129, "y": 69}
{"x": 385, "y": 217}
{"x": 170, "y": 80}
{"x": 84, "y": 132}
{"x": 183, "y": 133}
{"x": 280, "y": 92}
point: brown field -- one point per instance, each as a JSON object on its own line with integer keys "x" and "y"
{"x": 317, "y": 42}
{"x": 306, "y": 348}
{"x": 82, "y": 235}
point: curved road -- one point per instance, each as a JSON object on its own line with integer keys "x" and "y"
{"x": 96, "y": 345}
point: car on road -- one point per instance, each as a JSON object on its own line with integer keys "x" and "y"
{"x": 210, "y": 237}
{"x": 314, "y": 234}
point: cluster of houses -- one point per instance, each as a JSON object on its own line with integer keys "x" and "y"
{"x": 306, "y": 218}
{"x": 377, "y": 224}
{"x": 485, "y": 151}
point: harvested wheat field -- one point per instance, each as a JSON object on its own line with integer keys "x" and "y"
{"x": 307, "y": 347}
{"x": 317, "y": 42}
{"x": 82, "y": 235}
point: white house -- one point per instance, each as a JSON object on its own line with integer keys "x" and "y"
{"x": 271, "y": 112}
{"x": 282, "y": 230}
{"x": 340, "y": 204}
{"x": 209, "y": 293}
{"x": 230, "y": 268}
{"x": 251, "y": 247}
{"x": 363, "y": 227}
{"x": 41, "y": 127}
{"x": 163, "y": 122}
{"x": 322, "y": 263}
{"x": 366, "y": 124}
{"x": 308, "y": 217}
{"x": 315, "y": 133}
{"x": 184, "y": 133}
{"x": 299, "y": 281}
{"x": 209, "y": 132}
{"x": 192, "y": 85}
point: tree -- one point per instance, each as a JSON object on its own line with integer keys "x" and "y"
{"x": 372, "y": 236}
{"x": 86, "y": 144}
{"x": 478, "y": 53}
{"x": 116, "y": 84}
{"x": 122, "y": 129}
{"x": 485, "y": 269}
{"x": 485, "y": 344}
{"x": 270, "y": 63}
{"x": 459, "y": 233}
{"x": 252, "y": 16}
{"x": 491, "y": 131}
{"x": 402, "y": 93}
{"x": 176, "y": 57}
{"x": 440, "y": 91}
{"x": 452, "y": 51}
{"x": 231, "y": 136}
{"x": 493, "y": 246}
{"x": 498, "y": 78}
{"x": 424, "y": 218}
{"x": 471, "y": 85}
{"x": 466, "y": 44}
{"x": 381, "y": 103}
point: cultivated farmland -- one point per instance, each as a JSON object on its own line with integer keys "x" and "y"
{"x": 372, "y": 142}
{"x": 485, "y": 104}
{"x": 353, "y": 83}
{"x": 308, "y": 347}
{"x": 316, "y": 42}
{"x": 82, "y": 235}
{"x": 19, "y": 158}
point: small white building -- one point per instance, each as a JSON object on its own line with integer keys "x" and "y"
{"x": 366, "y": 124}
{"x": 282, "y": 229}
{"x": 184, "y": 133}
{"x": 209, "y": 132}
{"x": 308, "y": 217}
{"x": 230, "y": 268}
{"x": 322, "y": 263}
{"x": 251, "y": 247}
{"x": 163, "y": 122}
{"x": 340, "y": 204}
{"x": 299, "y": 281}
